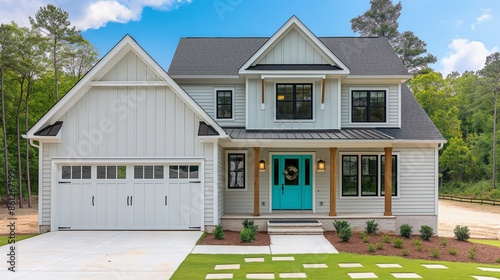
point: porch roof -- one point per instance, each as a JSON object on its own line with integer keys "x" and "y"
{"x": 333, "y": 134}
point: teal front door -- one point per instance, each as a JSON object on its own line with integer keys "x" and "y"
{"x": 292, "y": 182}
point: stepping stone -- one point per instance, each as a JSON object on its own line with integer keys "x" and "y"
{"x": 389, "y": 265}
{"x": 315, "y": 265}
{"x": 260, "y": 276}
{"x": 293, "y": 275}
{"x": 435, "y": 266}
{"x": 345, "y": 265}
{"x": 220, "y": 276}
{"x": 484, "y": 278}
{"x": 364, "y": 275}
{"x": 283, "y": 258}
{"x": 406, "y": 275}
{"x": 226, "y": 266}
{"x": 489, "y": 269}
{"x": 254, "y": 259}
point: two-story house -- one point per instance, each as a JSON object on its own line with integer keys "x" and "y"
{"x": 292, "y": 126}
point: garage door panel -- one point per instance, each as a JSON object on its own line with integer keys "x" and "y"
{"x": 65, "y": 202}
{"x": 196, "y": 202}
{"x": 174, "y": 205}
{"x": 100, "y": 204}
{"x": 121, "y": 205}
{"x": 149, "y": 207}
{"x": 185, "y": 205}
{"x": 86, "y": 202}
{"x": 138, "y": 203}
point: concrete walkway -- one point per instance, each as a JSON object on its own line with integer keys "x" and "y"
{"x": 100, "y": 255}
{"x": 280, "y": 244}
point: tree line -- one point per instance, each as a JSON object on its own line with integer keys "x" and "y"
{"x": 38, "y": 64}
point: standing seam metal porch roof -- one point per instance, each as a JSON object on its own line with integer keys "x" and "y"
{"x": 333, "y": 134}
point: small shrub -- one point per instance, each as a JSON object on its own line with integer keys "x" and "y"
{"x": 247, "y": 235}
{"x": 364, "y": 237}
{"x": 371, "y": 247}
{"x": 398, "y": 243}
{"x": 444, "y": 242}
{"x": 497, "y": 260}
{"x": 340, "y": 225}
{"x": 380, "y": 246}
{"x": 371, "y": 227}
{"x": 405, "y": 230}
{"x": 405, "y": 252}
{"x": 417, "y": 242}
{"x": 218, "y": 232}
{"x": 435, "y": 253}
{"x": 419, "y": 247}
{"x": 345, "y": 234}
{"x": 426, "y": 232}
{"x": 472, "y": 253}
{"x": 452, "y": 251}
{"x": 462, "y": 233}
{"x": 386, "y": 238}
{"x": 249, "y": 224}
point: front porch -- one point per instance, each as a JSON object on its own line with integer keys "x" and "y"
{"x": 387, "y": 224}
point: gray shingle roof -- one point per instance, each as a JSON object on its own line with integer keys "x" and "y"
{"x": 224, "y": 56}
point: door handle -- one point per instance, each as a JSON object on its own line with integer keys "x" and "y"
{"x": 166, "y": 203}
{"x": 127, "y": 201}
{"x": 282, "y": 188}
{"x": 130, "y": 200}
{"x": 92, "y": 200}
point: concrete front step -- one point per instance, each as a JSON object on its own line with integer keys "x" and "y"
{"x": 294, "y": 227}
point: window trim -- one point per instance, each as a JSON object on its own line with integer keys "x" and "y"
{"x": 275, "y": 97}
{"x": 350, "y": 92}
{"x": 380, "y": 185}
{"x": 226, "y": 169}
{"x": 216, "y": 90}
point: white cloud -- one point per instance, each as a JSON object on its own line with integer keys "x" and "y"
{"x": 85, "y": 14}
{"x": 485, "y": 16}
{"x": 465, "y": 55}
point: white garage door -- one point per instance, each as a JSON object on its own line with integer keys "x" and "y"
{"x": 154, "y": 197}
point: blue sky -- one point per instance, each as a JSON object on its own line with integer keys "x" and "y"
{"x": 460, "y": 33}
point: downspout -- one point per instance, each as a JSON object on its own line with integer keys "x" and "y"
{"x": 32, "y": 143}
{"x": 440, "y": 146}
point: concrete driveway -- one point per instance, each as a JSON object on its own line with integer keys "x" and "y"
{"x": 100, "y": 255}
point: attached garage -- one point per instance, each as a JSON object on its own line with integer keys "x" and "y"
{"x": 129, "y": 197}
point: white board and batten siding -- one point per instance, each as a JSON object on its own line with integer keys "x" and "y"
{"x": 392, "y": 104}
{"x": 204, "y": 95}
{"x": 266, "y": 119}
{"x": 130, "y": 123}
{"x": 293, "y": 48}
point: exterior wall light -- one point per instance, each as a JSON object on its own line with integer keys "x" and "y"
{"x": 321, "y": 165}
{"x": 262, "y": 165}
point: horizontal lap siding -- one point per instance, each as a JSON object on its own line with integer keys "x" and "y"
{"x": 392, "y": 103}
{"x": 418, "y": 183}
{"x": 205, "y": 96}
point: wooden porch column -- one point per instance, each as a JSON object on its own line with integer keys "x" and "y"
{"x": 333, "y": 181}
{"x": 388, "y": 182}
{"x": 256, "y": 182}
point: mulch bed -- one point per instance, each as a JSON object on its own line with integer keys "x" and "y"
{"x": 484, "y": 254}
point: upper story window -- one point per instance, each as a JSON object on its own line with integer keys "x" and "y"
{"x": 294, "y": 101}
{"x": 224, "y": 103}
{"x": 368, "y": 105}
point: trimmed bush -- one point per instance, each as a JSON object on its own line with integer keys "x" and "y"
{"x": 426, "y": 232}
{"x": 379, "y": 246}
{"x": 444, "y": 242}
{"x": 371, "y": 227}
{"x": 398, "y": 243}
{"x": 435, "y": 253}
{"x": 247, "y": 235}
{"x": 340, "y": 225}
{"x": 406, "y": 252}
{"x": 249, "y": 224}
{"x": 386, "y": 238}
{"x": 371, "y": 247}
{"x": 462, "y": 233}
{"x": 452, "y": 251}
{"x": 218, "y": 232}
{"x": 345, "y": 234}
{"x": 405, "y": 230}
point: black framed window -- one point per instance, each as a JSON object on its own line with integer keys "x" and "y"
{"x": 236, "y": 171}
{"x": 368, "y": 105}
{"x": 76, "y": 172}
{"x": 350, "y": 175}
{"x": 148, "y": 172}
{"x": 294, "y": 101}
{"x": 369, "y": 175}
{"x": 394, "y": 175}
{"x": 183, "y": 171}
{"x": 224, "y": 104}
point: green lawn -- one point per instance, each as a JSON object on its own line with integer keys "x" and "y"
{"x": 4, "y": 240}
{"x": 490, "y": 242}
{"x": 197, "y": 266}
